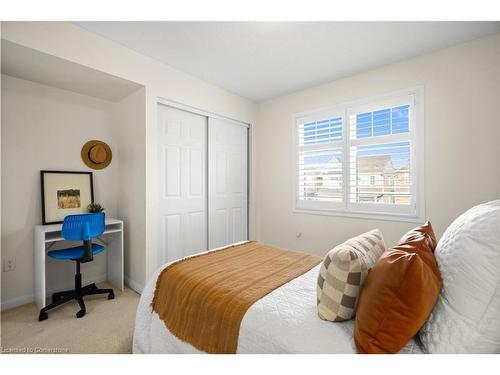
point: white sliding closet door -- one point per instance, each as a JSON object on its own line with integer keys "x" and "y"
{"x": 182, "y": 139}
{"x": 227, "y": 182}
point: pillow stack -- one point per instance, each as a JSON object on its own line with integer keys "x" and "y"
{"x": 343, "y": 273}
{"x": 399, "y": 294}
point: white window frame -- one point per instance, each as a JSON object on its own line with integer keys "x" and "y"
{"x": 412, "y": 213}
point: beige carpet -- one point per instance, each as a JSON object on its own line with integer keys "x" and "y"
{"x": 107, "y": 326}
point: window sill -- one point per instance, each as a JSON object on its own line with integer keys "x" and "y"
{"x": 360, "y": 215}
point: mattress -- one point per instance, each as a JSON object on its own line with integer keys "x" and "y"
{"x": 284, "y": 321}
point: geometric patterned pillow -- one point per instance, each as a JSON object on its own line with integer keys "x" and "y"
{"x": 343, "y": 273}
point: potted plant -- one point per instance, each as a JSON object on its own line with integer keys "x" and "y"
{"x": 95, "y": 207}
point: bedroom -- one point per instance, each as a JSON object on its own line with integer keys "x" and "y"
{"x": 346, "y": 173}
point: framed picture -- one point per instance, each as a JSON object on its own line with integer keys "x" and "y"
{"x": 65, "y": 193}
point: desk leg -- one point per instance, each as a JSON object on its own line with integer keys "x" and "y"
{"x": 40, "y": 257}
{"x": 115, "y": 259}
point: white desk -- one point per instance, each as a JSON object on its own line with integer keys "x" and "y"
{"x": 46, "y": 236}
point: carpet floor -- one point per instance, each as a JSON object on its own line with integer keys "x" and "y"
{"x": 107, "y": 327}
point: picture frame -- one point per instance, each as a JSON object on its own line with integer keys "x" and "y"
{"x": 65, "y": 193}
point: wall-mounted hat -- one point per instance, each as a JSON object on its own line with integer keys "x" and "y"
{"x": 96, "y": 154}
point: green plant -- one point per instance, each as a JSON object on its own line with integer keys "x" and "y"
{"x": 95, "y": 207}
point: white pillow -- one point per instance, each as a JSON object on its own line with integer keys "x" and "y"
{"x": 466, "y": 317}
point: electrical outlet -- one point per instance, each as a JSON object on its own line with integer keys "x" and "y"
{"x": 9, "y": 264}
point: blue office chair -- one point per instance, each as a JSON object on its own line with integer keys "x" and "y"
{"x": 78, "y": 228}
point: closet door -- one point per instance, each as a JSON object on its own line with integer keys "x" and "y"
{"x": 182, "y": 138}
{"x": 227, "y": 182}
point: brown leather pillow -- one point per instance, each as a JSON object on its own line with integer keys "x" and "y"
{"x": 399, "y": 294}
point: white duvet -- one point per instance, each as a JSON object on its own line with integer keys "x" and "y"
{"x": 284, "y": 321}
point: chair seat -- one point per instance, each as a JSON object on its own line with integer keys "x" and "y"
{"x": 74, "y": 253}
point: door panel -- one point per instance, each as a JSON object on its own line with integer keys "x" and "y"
{"x": 172, "y": 181}
{"x": 227, "y": 182}
{"x": 182, "y": 140}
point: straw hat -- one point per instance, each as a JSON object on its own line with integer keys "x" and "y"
{"x": 96, "y": 154}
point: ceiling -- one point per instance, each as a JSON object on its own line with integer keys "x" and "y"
{"x": 263, "y": 60}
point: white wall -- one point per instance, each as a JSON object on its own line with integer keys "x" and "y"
{"x": 70, "y": 42}
{"x": 130, "y": 183}
{"x": 462, "y": 129}
{"x": 45, "y": 128}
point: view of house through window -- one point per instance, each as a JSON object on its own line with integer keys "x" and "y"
{"x": 321, "y": 174}
{"x": 381, "y": 173}
{"x": 373, "y": 166}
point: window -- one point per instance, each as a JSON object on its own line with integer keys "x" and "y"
{"x": 362, "y": 158}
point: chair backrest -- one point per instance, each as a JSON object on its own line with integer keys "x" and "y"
{"x": 83, "y": 227}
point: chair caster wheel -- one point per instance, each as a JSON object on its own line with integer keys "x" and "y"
{"x": 42, "y": 316}
{"x": 111, "y": 295}
{"x": 80, "y": 313}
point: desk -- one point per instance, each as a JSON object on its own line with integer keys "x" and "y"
{"x": 46, "y": 236}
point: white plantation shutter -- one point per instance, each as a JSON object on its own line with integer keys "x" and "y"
{"x": 320, "y": 131}
{"x": 320, "y": 162}
{"x": 361, "y": 158}
{"x": 320, "y": 175}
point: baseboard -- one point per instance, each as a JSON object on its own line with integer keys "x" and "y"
{"x": 17, "y": 301}
{"x": 134, "y": 285}
{"x": 29, "y": 298}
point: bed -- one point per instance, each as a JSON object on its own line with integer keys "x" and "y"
{"x": 464, "y": 319}
{"x": 284, "y": 321}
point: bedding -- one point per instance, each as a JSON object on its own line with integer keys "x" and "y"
{"x": 202, "y": 299}
{"x": 283, "y": 321}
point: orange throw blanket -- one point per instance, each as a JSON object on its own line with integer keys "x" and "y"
{"x": 202, "y": 299}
